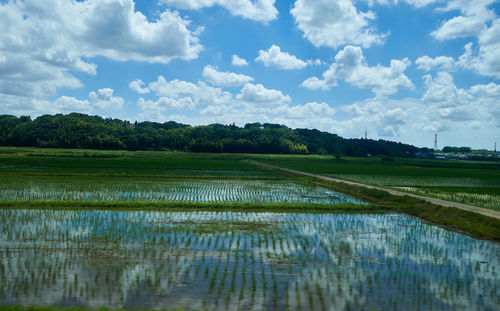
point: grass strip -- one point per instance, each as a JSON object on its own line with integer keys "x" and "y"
{"x": 213, "y": 206}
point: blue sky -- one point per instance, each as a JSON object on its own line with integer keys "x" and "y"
{"x": 402, "y": 70}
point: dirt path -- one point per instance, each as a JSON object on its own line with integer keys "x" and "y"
{"x": 471, "y": 208}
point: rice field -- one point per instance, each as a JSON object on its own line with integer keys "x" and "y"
{"x": 235, "y": 261}
{"x": 474, "y": 191}
{"x": 463, "y": 195}
{"x": 420, "y": 181}
{"x": 101, "y": 189}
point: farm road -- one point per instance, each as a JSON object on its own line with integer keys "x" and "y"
{"x": 471, "y": 208}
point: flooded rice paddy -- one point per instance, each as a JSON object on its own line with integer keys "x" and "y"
{"x": 242, "y": 261}
{"x": 164, "y": 189}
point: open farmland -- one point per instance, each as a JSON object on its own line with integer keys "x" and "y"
{"x": 223, "y": 253}
{"x": 469, "y": 182}
{"x": 149, "y": 177}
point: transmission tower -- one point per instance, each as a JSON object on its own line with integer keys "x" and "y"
{"x": 366, "y": 134}
{"x": 436, "y": 141}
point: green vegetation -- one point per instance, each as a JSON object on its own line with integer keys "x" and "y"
{"x": 148, "y": 229}
{"x": 55, "y": 174}
{"x": 83, "y": 131}
{"x": 470, "y": 182}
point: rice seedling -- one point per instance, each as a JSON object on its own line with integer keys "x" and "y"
{"x": 29, "y": 188}
{"x": 299, "y": 261}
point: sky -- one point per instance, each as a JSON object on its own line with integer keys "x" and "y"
{"x": 400, "y": 70}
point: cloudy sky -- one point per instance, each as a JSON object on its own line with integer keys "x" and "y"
{"x": 402, "y": 70}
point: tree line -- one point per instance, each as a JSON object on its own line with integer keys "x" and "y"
{"x": 77, "y": 130}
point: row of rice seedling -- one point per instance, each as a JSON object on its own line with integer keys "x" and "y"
{"x": 486, "y": 200}
{"x": 228, "y": 260}
{"x": 177, "y": 190}
{"x": 420, "y": 181}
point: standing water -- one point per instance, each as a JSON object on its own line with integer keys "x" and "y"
{"x": 234, "y": 261}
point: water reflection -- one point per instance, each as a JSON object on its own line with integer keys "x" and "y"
{"x": 234, "y": 261}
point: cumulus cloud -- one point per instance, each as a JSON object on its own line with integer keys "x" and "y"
{"x": 282, "y": 60}
{"x": 155, "y": 110}
{"x": 443, "y": 107}
{"x": 258, "y": 10}
{"x": 257, "y": 94}
{"x": 104, "y": 99}
{"x": 253, "y": 103}
{"x": 442, "y": 92}
{"x": 309, "y": 110}
{"x": 237, "y": 61}
{"x": 335, "y": 23}
{"x": 350, "y": 66}
{"x": 198, "y": 94}
{"x": 485, "y": 59}
{"x": 457, "y": 27}
{"x": 42, "y": 41}
{"x": 98, "y": 101}
{"x": 180, "y": 95}
{"x": 427, "y": 63}
{"x": 137, "y": 86}
{"x": 217, "y": 78}
{"x": 471, "y": 23}
{"x": 420, "y": 3}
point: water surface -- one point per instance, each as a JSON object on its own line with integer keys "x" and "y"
{"x": 242, "y": 261}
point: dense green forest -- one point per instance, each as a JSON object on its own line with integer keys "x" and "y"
{"x": 93, "y": 132}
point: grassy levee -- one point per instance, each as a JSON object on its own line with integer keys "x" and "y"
{"x": 183, "y": 206}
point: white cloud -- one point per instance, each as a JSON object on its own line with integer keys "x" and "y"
{"x": 471, "y": 23}
{"x": 458, "y": 27}
{"x": 309, "y": 110}
{"x": 258, "y": 10}
{"x": 137, "y": 86}
{"x": 486, "y": 59}
{"x": 335, "y": 23}
{"x": 442, "y": 92}
{"x": 155, "y": 110}
{"x": 237, "y": 61}
{"x": 314, "y": 62}
{"x": 427, "y": 63}
{"x": 420, "y": 3}
{"x": 105, "y": 100}
{"x": 214, "y": 77}
{"x": 199, "y": 94}
{"x": 42, "y": 41}
{"x": 282, "y": 60}
{"x": 99, "y": 101}
{"x": 177, "y": 95}
{"x": 258, "y": 95}
{"x": 350, "y": 66}
{"x": 443, "y": 108}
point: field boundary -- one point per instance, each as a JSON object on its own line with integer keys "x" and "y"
{"x": 466, "y": 207}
